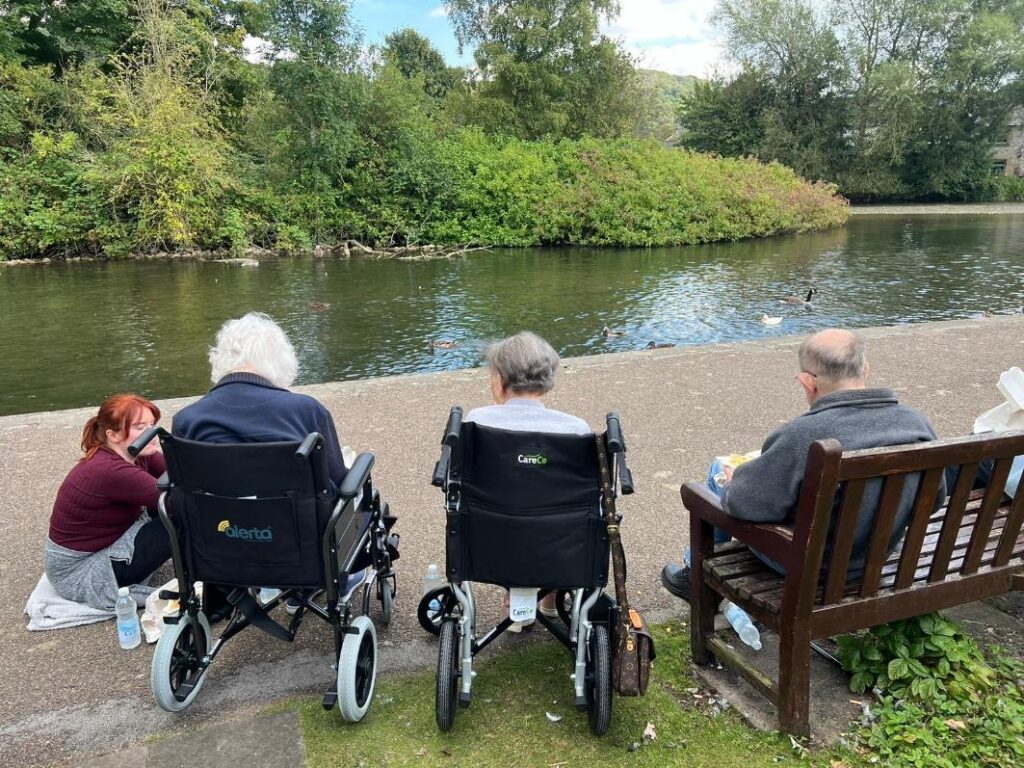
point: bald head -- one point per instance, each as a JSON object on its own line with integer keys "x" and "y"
{"x": 836, "y": 358}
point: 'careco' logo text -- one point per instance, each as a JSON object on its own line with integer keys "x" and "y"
{"x": 536, "y": 458}
{"x": 245, "y": 534}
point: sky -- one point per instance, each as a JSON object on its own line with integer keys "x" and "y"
{"x": 670, "y": 35}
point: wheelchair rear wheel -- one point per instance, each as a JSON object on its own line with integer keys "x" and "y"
{"x": 599, "y": 681}
{"x": 447, "y": 688}
{"x": 434, "y": 606}
{"x": 357, "y": 670}
{"x": 176, "y": 660}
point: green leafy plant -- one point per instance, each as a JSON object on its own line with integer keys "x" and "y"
{"x": 942, "y": 702}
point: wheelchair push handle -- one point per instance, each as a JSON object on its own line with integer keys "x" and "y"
{"x": 312, "y": 440}
{"x": 452, "y": 432}
{"x": 143, "y": 440}
{"x": 616, "y": 444}
{"x": 617, "y": 447}
{"x": 454, "y": 427}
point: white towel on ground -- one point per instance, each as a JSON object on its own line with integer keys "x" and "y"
{"x": 48, "y": 610}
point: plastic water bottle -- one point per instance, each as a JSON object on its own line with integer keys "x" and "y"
{"x": 129, "y": 634}
{"x": 433, "y": 580}
{"x": 686, "y": 557}
{"x": 740, "y": 621}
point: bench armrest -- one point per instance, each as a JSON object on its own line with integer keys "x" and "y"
{"x": 357, "y": 476}
{"x": 769, "y": 539}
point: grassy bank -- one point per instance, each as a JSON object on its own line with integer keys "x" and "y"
{"x": 508, "y": 722}
{"x": 464, "y": 187}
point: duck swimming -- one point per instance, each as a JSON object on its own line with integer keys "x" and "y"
{"x": 443, "y": 344}
{"x": 609, "y": 333}
{"x": 797, "y": 300}
{"x": 319, "y": 306}
{"x": 659, "y": 345}
{"x": 770, "y": 320}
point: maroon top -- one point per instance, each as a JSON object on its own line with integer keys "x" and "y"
{"x": 101, "y": 497}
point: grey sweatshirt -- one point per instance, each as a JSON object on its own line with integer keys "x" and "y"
{"x": 767, "y": 488}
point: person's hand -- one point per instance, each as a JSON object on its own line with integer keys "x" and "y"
{"x": 727, "y": 471}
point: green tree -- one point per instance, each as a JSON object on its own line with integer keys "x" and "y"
{"x": 546, "y": 69}
{"x": 413, "y": 55}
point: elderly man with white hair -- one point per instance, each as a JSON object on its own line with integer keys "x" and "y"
{"x": 252, "y": 365}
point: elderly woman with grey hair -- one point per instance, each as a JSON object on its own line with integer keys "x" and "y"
{"x": 252, "y": 365}
{"x": 523, "y": 371}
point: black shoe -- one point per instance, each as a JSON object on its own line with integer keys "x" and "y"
{"x": 677, "y": 581}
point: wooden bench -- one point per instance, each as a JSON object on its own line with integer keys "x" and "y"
{"x": 971, "y": 548}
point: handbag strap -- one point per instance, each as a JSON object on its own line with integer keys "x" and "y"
{"x": 618, "y": 556}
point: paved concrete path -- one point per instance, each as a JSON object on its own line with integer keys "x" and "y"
{"x": 65, "y": 695}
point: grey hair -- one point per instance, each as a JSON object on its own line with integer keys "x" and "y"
{"x": 834, "y": 355}
{"x": 524, "y": 362}
{"x": 254, "y": 342}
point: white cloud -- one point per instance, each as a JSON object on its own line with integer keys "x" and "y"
{"x": 438, "y": 12}
{"x": 670, "y": 35}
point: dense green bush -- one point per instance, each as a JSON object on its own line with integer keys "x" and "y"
{"x": 1009, "y": 189}
{"x": 624, "y": 192}
{"x": 942, "y": 703}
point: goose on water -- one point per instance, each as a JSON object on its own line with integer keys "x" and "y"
{"x": 797, "y": 300}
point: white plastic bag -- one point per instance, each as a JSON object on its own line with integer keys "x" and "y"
{"x": 156, "y": 609}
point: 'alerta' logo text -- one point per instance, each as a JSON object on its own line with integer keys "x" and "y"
{"x": 246, "y": 534}
{"x": 536, "y": 458}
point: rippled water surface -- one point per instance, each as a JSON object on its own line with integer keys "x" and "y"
{"x": 72, "y": 333}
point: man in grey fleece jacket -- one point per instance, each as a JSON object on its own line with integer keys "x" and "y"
{"x": 833, "y": 374}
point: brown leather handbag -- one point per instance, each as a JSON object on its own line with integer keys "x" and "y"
{"x": 632, "y": 644}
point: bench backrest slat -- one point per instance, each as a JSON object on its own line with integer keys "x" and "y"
{"x": 881, "y": 532}
{"x": 983, "y": 525}
{"x": 951, "y": 522}
{"x": 842, "y": 542}
{"x": 924, "y": 504}
{"x": 1011, "y": 531}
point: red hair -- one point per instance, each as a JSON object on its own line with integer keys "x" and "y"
{"x": 116, "y": 414}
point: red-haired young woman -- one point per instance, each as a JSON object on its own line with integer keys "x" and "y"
{"x": 100, "y": 536}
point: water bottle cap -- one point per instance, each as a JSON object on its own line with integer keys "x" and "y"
{"x": 432, "y": 569}
{"x": 122, "y": 591}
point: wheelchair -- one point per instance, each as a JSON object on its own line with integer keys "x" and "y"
{"x": 262, "y": 516}
{"x": 525, "y": 511}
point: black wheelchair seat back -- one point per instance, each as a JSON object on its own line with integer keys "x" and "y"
{"x": 528, "y": 510}
{"x": 250, "y": 514}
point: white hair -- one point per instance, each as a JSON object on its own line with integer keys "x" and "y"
{"x": 526, "y": 363}
{"x": 254, "y": 342}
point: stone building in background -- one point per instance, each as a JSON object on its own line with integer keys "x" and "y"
{"x": 1008, "y": 155}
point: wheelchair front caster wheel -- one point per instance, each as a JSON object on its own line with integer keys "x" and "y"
{"x": 447, "y": 690}
{"x": 434, "y": 605}
{"x": 599, "y": 681}
{"x": 386, "y": 595}
{"x": 357, "y": 670}
{"x": 177, "y": 662}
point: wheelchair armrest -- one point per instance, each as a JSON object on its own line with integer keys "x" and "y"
{"x": 357, "y": 476}
{"x": 308, "y": 444}
{"x": 625, "y": 476}
{"x": 163, "y": 483}
{"x": 143, "y": 440}
{"x": 771, "y": 539}
{"x": 453, "y": 429}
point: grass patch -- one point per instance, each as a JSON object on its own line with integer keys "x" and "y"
{"x": 507, "y": 724}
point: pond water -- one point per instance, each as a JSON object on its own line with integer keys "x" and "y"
{"x": 70, "y": 334}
